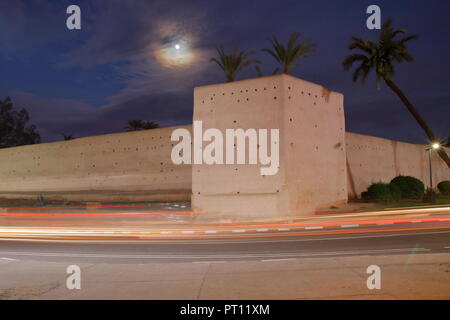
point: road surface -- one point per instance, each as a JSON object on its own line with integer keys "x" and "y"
{"x": 314, "y": 259}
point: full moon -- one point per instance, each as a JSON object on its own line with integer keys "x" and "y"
{"x": 175, "y": 54}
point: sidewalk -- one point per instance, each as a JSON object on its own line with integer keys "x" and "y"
{"x": 406, "y": 276}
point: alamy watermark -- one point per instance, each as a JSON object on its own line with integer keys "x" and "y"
{"x": 374, "y": 280}
{"x": 235, "y": 147}
{"x": 74, "y": 279}
{"x": 374, "y": 20}
{"x": 73, "y": 21}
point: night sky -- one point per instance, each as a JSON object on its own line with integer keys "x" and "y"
{"x": 91, "y": 81}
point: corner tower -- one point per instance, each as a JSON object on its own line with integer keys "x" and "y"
{"x": 312, "y": 162}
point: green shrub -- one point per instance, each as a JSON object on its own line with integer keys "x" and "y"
{"x": 444, "y": 187}
{"x": 383, "y": 192}
{"x": 409, "y": 186}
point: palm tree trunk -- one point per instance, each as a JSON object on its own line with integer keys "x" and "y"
{"x": 419, "y": 119}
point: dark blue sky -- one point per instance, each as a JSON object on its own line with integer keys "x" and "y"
{"x": 91, "y": 81}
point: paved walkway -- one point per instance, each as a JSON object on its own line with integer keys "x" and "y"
{"x": 412, "y": 276}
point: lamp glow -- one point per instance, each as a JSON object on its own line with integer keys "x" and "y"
{"x": 435, "y": 146}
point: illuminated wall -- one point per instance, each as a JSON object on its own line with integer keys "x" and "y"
{"x": 127, "y": 166}
{"x": 320, "y": 163}
{"x": 372, "y": 159}
{"x": 312, "y": 170}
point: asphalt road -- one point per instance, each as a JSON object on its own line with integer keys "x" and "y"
{"x": 379, "y": 241}
{"x": 329, "y": 263}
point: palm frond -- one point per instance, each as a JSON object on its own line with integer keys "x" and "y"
{"x": 289, "y": 55}
{"x": 380, "y": 55}
{"x": 234, "y": 62}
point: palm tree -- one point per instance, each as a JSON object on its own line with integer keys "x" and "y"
{"x": 68, "y": 136}
{"x": 288, "y": 56}
{"x": 150, "y": 125}
{"x": 134, "y": 125}
{"x": 380, "y": 56}
{"x": 233, "y": 63}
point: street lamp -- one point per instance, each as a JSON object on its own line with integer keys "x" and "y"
{"x": 433, "y": 146}
{"x": 436, "y": 145}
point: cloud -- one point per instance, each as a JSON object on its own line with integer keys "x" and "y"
{"x": 388, "y": 117}
{"x": 54, "y": 117}
{"x": 30, "y": 24}
{"x": 131, "y": 38}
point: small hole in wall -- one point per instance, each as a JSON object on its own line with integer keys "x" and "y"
{"x": 289, "y": 88}
{"x": 234, "y": 121}
{"x": 290, "y": 119}
{"x": 238, "y": 192}
{"x": 256, "y": 90}
{"x": 274, "y": 98}
{"x": 247, "y": 99}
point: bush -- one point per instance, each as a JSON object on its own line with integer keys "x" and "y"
{"x": 444, "y": 187}
{"x": 409, "y": 186}
{"x": 383, "y": 192}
